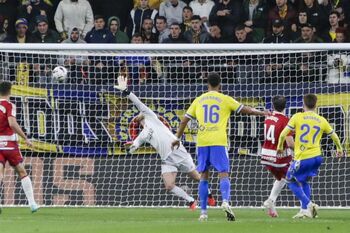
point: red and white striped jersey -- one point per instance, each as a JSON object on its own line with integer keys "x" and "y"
{"x": 273, "y": 126}
{"x": 7, "y": 109}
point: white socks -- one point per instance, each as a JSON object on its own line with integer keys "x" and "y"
{"x": 278, "y": 185}
{"x": 181, "y": 193}
{"x": 28, "y": 190}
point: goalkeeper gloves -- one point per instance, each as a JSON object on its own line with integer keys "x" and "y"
{"x": 123, "y": 85}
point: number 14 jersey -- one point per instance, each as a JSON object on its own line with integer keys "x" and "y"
{"x": 273, "y": 126}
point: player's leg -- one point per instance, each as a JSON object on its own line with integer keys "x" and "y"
{"x": 220, "y": 161}
{"x": 196, "y": 176}
{"x": 2, "y": 169}
{"x": 297, "y": 175}
{"x": 278, "y": 185}
{"x": 203, "y": 169}
{"x": 203, "y": 195}
{"x": 15, "y": 160}
{"x": 169, "y": 176}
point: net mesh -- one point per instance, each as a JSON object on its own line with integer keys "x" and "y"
{"x": 80, "y": 123}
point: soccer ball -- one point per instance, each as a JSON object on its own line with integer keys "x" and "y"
{"x": 59, "y": 73}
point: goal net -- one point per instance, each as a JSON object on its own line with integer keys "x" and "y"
{"x": 79, "y": 124}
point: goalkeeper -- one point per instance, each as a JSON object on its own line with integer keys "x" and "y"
{"x": 160, "y": 137}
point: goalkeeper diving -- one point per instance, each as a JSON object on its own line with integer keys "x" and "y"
{"x": 160, "y": 137}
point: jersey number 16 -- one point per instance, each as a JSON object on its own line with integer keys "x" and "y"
{"x": 211, "y": 113}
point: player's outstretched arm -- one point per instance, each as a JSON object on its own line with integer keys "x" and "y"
{"x": 336, "y": 140}
{"x": 123, "y": 86}
{"x": 131, "y": 147}
{"x": 253, "y": 111}
{"x": 282, "y": 139}
{"x": 180, "y": 132}
{"x": 15, "y": 127}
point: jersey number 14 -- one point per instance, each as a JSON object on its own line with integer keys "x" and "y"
{"x": 269, "y": 133}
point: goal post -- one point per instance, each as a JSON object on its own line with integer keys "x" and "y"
{"x": 79, "y": 124}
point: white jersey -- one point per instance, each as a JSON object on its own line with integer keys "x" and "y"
{"x": 154, "y": 132}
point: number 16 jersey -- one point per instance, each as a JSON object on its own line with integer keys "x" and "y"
{"x": 212, "y": 111}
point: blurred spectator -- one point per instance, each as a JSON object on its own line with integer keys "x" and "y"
{"x": 241, "y": 36}
{"x": 108, "y": 8}
{"x": 31, "y": 9}
{"x": 114, "y": 27}
{"x": 153, "y": 4}
{"x": 296, "y": 28}
{"x": 8, "y": 16}
{"x": 172, "y": 10}
{"x": 75, "y": 63}
{"x": 342, "y": 18}
{"x": 146, "y": 31}
{"x": 137, "y": 16}
{"x": 197, "y": 34}
{"x": 277, "y": 36}
{"x": 227, "y": 14}
{"x": 175, "y": 36}
{"x": 345, "y": 8}
{"x": 341, "y": 35}
{"x": 338, "y": 68}
{"x": 216, "y": 35}
{"x": 203, "y": 9}
{"x": 4, "y": 26}
{"x": 317, "y": 14}
{"x": 308, "y": 35}
{"x": 99, "y": 34}
{"x": 187, "y": 14}
{"x": 284, "y": 12}
{"x": 43, "y": 34}
{"x": 255, "y": 18}
{"x": 329, "y": 33}
{"x": 136, "y": 39}
{"x": 73, "y": 13}
{"x": 162, "y": 28}
{"x": 74, "y": 37}
{"x": 23, "y": 35}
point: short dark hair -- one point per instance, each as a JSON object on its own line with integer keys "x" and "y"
{"x": 96, "y": 17}
{"x": 239, "y": 27}
{"x": 310, "y": 101}
{"x": 147, "y": 18}
{"x": 279, "y": 103}
{"x": 196, "y": 17}
{"x": 335, "y": 13}
{"x": 214, "y": 79}
{"x": 187, "y": 8}
{"x": 175, "y": 24}
{"x": 136, "y": 35}
{"x": 5, "y": 88}
{"x": 162, "y": 18}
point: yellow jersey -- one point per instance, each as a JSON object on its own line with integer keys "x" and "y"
{"x": 308, "y": 127}
{"x": 212, "y": 111}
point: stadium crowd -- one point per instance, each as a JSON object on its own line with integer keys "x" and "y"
{"x": 174, "y": 21}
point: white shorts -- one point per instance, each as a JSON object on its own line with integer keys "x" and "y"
{"x": 178, "y": 161}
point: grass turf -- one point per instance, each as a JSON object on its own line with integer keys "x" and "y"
{"x": 120, "y": 220}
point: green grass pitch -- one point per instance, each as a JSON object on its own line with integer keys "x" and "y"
{"x": 120, "y": 220}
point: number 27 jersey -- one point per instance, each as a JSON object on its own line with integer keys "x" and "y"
{"x": 273, "y": 126}
{"x": 212, "y": 111}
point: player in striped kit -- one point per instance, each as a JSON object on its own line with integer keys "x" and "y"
{"x": 9, "y": 150}
{"x": 277, "y": 165}
{"x": 160, "y": 137}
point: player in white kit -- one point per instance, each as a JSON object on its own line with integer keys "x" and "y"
{"x": 160, "y": 137}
